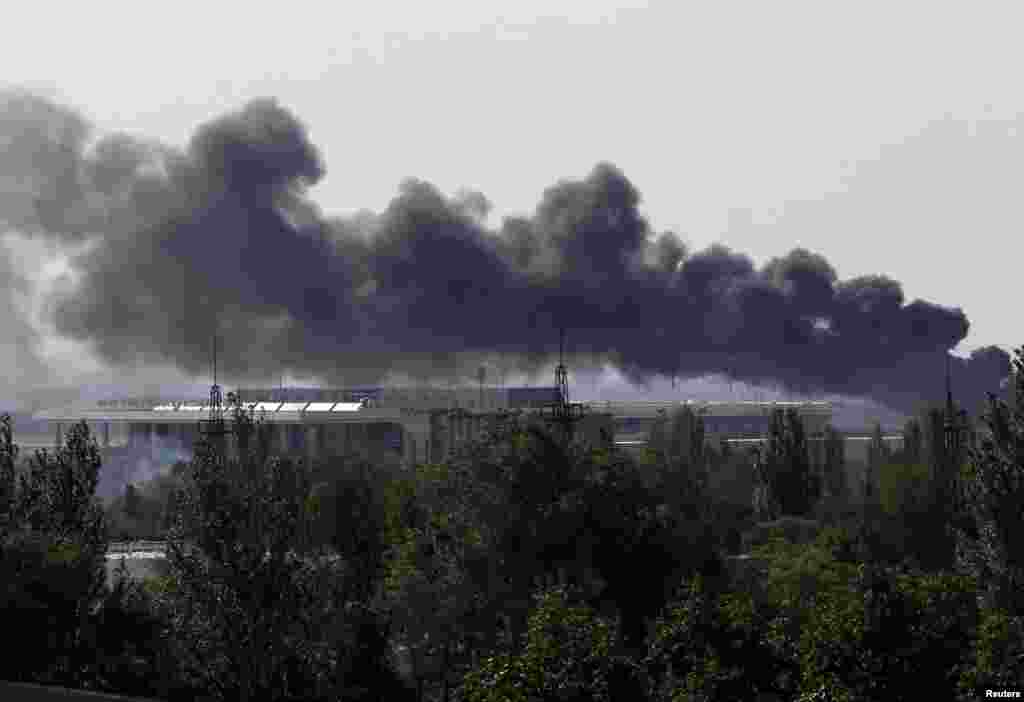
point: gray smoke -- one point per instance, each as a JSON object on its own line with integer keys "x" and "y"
{"x": 18, "y": 354}
{"x": 220, "y": 236}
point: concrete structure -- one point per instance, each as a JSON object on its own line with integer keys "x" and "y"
{"x": 405, "y": 425}
{"x": 410, "y": 424}
{"x": 722, "y": 420}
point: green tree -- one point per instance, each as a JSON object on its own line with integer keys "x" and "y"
{"x": 518, "y": 489}
{"x": 995, "y": 655}
{"x": 687, "y": 443}
{"x": 436, "y": 571}
{"x": 788, "y": 464}
{"x": 568, "y": 654}
{"x": 713, "y": 644}
{"x": 835, "y": 464}
{"x": 878, "y": 455}
{"x": 680, "y": 453}
{"x": 891, "y": 635}
{"x": 132, "y": 502}
{"x": 8, "y": 476}
{"x": 934, "y": 438}
{"x": 859, "y": 631}
{"x": 522, "y": 510}
{"x": 642, "y": 542}
{"x": 991, "y": 537}
{"x": 58, "y": 495}
{"x": 351, "y": 519}
{"x": 658, "y": 437}
{"x": 910, "y": 505}
{"x": 913, "y": 442}
{"x": 256, "y": 611}
{"x": 685, "y": 458}
{"x": 478, "y": 535}
{"x": 903, "y": 487}
{"x": 54, "y": 547}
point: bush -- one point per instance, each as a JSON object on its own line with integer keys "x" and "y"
{"x": 40, "y": 599}
{"x": 711, "y": 645}
{"x": 997, "y": 658}
{"x": 126, "y": 635}
{"x": 72, "y": 631}
{"x": 791, "y": 529}
{"x": 52, "y": 547}
{"x": 568, "y": 655}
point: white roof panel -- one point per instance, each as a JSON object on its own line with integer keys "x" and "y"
{"x": 348, "y": 407}
{"x": 164, "y": 408}
{"x": 319, "y": 406}
{"x": 267, "y": 406}
{"x": 191, "y": 408}
{"x": 293, "y": 406}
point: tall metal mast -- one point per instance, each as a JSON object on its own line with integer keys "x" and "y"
{"x": 564, "y": 414}
{"x": 949, "y": 391}
{"x": 953, "y": 434}
{"x": 561, "y": 374}
{"x": 214, "y": 425}
{"x": 951, "y": 429}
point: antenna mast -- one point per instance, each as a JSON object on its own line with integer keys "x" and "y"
{"x": 563, "y": 412}
{"x": 949, "y": 391}
{"x": 214, "y": 425}
{"x": 952, "y": 428}
{"x": 561, "y": 375}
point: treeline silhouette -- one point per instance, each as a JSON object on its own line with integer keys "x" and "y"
{"x": 530, "y": 567}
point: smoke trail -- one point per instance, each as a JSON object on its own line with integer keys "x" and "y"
{"x": 157, "y": 460}
{"x": 221, "y": 235}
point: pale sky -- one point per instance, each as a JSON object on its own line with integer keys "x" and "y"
{"x": 884, "y": 136}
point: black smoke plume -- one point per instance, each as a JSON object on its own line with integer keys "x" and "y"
{"x": 220, "y": 236}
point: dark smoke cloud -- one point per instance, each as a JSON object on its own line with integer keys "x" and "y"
{"x": 221, "y": 236}
{"x": 18, "y": 354}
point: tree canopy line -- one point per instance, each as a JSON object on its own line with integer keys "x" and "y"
{"x": 530, "y": 567}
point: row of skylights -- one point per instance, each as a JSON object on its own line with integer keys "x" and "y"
{"x": 272, "y": 407}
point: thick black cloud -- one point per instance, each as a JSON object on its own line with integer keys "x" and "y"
{"x": 221, "y": 237}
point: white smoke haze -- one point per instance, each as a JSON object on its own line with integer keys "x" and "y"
{"x": 162, "y": 456}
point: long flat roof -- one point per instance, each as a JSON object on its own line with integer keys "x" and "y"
{"x": 188, "y": 412}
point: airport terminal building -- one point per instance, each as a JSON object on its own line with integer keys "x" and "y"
{"x": 407, "y": 425}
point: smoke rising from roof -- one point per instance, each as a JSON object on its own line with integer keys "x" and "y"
{"x": 220, "y": 236}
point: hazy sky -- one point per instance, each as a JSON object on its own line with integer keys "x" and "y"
{"x": 884, "y": 136}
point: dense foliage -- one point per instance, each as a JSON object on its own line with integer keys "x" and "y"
{"x": 531, "y": 567}
{"x": 787, "y": 461}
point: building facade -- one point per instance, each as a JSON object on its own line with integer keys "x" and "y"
{"x": 404, "y": 426}
{"x": 409, "y": 425}
{"x": 722, "y": 420}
